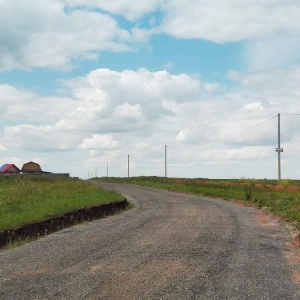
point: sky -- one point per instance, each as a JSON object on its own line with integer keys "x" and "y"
{"x": 183, "y": 88}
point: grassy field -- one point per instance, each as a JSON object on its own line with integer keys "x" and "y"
{"x": 282, "y": 200}
{"x": 28, "y": 199}
{"x": 24, "y": 199}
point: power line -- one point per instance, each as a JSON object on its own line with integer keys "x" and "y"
{"x": 227, "y": 137}
{"x": 153, "y": 152}
{"x": 290, "y": 114}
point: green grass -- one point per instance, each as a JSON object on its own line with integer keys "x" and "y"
{"x": 280, "y": 200}
{"x": 21, "y": 242}
{"x": 25, "y": 199}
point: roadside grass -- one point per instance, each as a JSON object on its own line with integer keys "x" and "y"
{"x": 12, "y": 245}
{"x": 26, "y": 199}
{"x": 282, "y": 200}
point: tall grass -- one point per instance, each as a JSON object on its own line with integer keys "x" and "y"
{"x": 283, "y": 200}
{"x": 25, "y": 199}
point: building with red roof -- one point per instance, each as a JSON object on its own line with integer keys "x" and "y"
{"x": 9, "y": 169}
{"x": 30, "y": 168}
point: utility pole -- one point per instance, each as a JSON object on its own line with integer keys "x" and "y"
{"x": 279, "y": 150}
{"x": 128, "y": 166}
{"x": 106, "y": 169}
{"x": 166, "y": 161}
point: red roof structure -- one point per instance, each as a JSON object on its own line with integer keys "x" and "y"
{"x": 9, "y": 168}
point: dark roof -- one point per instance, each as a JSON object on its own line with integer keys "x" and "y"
{"x": 31, "y": 167}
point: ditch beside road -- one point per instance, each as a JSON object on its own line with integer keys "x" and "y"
{"x": 170, "y": 246}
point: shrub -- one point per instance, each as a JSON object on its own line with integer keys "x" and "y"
{"x": 285, "y": 183}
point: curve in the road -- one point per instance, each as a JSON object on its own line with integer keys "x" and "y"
{"x": 171, "y": 246}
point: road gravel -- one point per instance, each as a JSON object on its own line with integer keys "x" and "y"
{"x": 170, "y": 246}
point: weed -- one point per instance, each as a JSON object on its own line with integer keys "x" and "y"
{"x": 12, "y": 245}
{"x": 285, "y": 183}
{"x": 248, "y": 193}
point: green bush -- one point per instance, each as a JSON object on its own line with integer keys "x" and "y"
{"x": 285, "y": 183}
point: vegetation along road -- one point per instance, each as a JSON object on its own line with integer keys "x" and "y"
{"x": 170, "y": 246}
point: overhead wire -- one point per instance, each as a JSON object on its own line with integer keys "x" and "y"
{"x": 201, "y": 144}
{"x": 289, "y": 115}
{"x": 226, "y": 137}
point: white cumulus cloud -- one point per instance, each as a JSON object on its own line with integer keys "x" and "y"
{"x": 139, "y": 112}
{"x": 44, "y": 34}
{"x": 56, "y": 33}
{"x": 132, "y": 10}
{"x": 254, "y": 106}
{"x": 231, "y": 20}
{"x": 99, "y": 142}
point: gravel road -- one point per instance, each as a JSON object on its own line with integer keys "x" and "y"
{"x": 171, "y": 246}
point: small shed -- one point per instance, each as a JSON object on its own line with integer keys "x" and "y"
{"x": 9, "y": 169}
{"x": 31, "y": 168}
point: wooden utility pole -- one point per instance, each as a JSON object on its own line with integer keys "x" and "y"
{"x": 165, "y": 160}
{"x": 279, "y": 150}
{"x": 128, "y": 165}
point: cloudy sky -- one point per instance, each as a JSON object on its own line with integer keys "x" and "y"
{"x": 85, "y": 83}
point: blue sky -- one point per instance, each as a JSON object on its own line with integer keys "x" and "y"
{"x": 201, "y": 57}
{"x": 84, "y": 83}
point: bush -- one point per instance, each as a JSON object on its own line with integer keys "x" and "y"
{"x": 285, "y": 183}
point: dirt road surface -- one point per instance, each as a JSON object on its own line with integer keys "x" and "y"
{"x": 171, "y": 246}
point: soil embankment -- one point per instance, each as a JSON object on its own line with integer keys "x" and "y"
{"x": 44, "y": 227}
